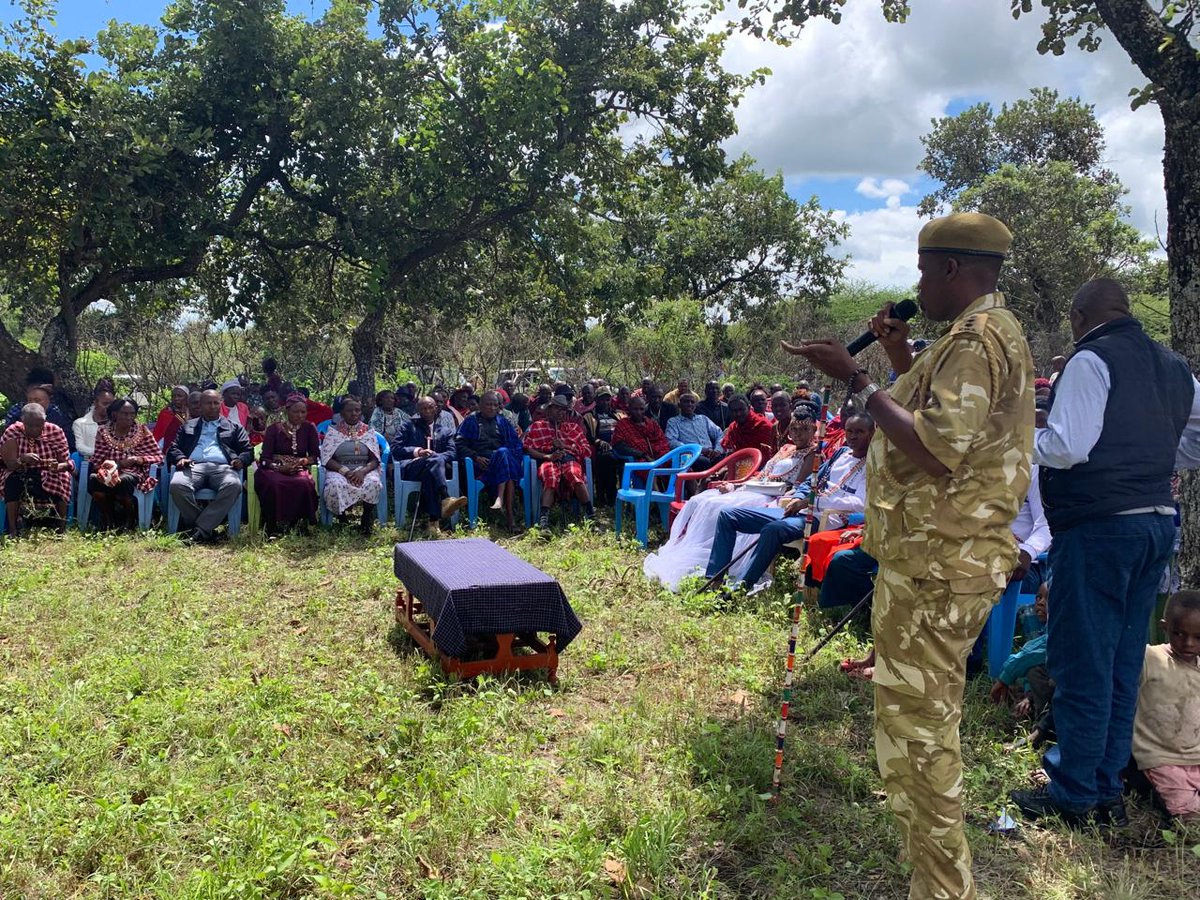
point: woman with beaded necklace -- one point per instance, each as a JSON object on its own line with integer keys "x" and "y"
{"x": 694, "y": 529}
{"x": 284, "y": 486}
{"x": 125, "y": 451}
{"x": 351, "y": 456}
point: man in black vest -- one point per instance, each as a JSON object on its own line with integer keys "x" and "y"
{"x": 1124, "y": 416}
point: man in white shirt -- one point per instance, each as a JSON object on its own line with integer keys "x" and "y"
{"x": 1032, "y": 532}
{"x": 1125, "y": 414}
{"x": 690, "y": 427}
{"x": 841, "y": 489}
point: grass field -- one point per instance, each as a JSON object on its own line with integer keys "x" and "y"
{"x": 246, "y": 721}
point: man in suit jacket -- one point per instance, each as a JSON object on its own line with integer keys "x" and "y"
{"x": 209, "y": 452}
{"x": 425, "y": 448}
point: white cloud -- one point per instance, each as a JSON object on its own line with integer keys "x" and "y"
{"x": 852, "y": 101}
{"x": 882, "y": 244}
{"x": 890, "y": 189}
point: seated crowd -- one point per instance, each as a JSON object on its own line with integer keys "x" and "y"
{"x": 266, "y": 442}
{"x": 809, "y": 481}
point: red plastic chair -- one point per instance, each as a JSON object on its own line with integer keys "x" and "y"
{"x": 748, "y": 460}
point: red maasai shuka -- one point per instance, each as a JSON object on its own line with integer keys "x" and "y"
{"x": 51, "y": 445}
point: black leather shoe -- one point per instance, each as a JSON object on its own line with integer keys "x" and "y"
{"x": 1038, "y": 804}
{"x": 1111, "y": 813}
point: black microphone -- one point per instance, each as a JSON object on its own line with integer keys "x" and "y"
{"x": 904, "y": 310}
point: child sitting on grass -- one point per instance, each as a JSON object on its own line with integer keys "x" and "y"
{"x": 1166, "y": 730}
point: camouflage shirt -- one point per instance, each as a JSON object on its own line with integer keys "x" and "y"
{"x": 971, "y": 396}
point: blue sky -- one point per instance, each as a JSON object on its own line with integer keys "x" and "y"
{"x": 843, "y": 111}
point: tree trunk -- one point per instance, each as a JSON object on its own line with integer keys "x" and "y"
{"x": 1181, "y": 167}
{"x": 15, "y": 361}
{"x": 59, "y": 351}
{"x": 364, "y": 344}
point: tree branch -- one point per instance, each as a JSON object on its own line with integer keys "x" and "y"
{"x": 1163, "y": 55}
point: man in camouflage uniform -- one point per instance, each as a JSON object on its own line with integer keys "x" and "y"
{"x": 945, "y": 481}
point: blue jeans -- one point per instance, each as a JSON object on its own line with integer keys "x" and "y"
{"x": 850, "y": 576}
{"x": 1106, "y": 573}
{"x": 769, "y": 524}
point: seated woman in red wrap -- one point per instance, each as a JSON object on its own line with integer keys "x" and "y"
{"x": 125, "y": 451}
{"x": 560, "y": 446}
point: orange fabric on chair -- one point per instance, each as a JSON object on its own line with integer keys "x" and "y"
{"x": 822, "y": 547}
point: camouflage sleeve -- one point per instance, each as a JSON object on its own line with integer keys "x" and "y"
{"x": 959, "y": 403}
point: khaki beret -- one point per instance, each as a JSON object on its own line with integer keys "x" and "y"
{"x": 604, "y": 391}
{"x": 972, "y": 234}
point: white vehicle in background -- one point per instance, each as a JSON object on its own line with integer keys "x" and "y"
{"x": 528, "y": 374}
{"x": 126, "y": 385}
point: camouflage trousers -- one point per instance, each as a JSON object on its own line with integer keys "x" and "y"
{"x": 923, "y": 633}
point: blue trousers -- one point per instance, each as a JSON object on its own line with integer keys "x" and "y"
{"x": 851, "y": 574}
{"x": 769, "y": 524}
{"x": 1106, "y": 575}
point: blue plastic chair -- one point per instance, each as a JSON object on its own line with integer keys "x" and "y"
{"x": 641, "y": 498}
{"x": 474, "y": 487}
{"x": 1002, "y": 626}
{"x": 381, "y": 507}
{"x": 76, "y": 482}
{"x": 235, "y": 512}
{"x": 406, "y": 490}
{"x": 145, "y": 501}
{"x": 531, "y": 487}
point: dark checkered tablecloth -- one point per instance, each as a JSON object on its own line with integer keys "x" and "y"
{"x": 472, "y": 586}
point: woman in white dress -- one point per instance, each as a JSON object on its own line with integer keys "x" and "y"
{"x": 686, "y": 552}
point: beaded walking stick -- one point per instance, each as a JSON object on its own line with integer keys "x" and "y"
{"x": 809, "y": 525}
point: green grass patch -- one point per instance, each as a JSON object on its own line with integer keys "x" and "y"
{"x": 247, "y": 722}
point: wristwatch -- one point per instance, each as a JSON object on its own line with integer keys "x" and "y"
{"x": 862, "y": 397}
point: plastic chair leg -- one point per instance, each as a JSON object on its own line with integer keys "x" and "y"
{"x": 1002, "y": 624}
{"x": 642, "y": 516}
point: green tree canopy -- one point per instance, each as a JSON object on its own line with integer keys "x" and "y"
{"x": 1036, "y": 166}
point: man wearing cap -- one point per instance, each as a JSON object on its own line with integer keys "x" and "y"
{"x": 560, "y": 446}
{"x": 945, "y": 481}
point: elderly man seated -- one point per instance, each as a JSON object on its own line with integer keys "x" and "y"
{"x": 43, "y": 395}
{"x": 209, "y": 453}
{"x": 638, "y": 436}
{"x": 491, "y": 441}
{"x": 35, "y": 466}
{"x": 691, "y": 427}
{"x": 425, "y": 449}
{"x": 560, "y": 446}
{"x": 840, "y": 489}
